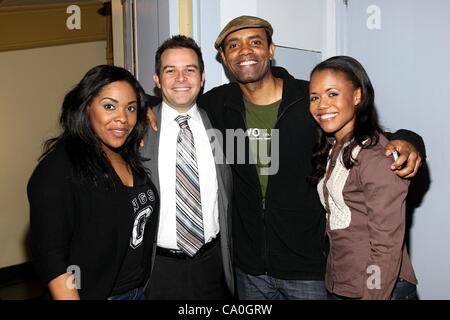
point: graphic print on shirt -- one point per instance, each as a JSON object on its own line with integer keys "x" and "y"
{"x": 143, "y": 209}
{"x": 260, "y": 143}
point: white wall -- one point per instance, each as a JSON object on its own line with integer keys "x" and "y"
{"x": 230, "y": 9}
{"x": 298, "y": 25}
{"x": 206, "y": 22}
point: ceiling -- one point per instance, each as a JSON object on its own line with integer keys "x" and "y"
{"x": 10, "y": 3}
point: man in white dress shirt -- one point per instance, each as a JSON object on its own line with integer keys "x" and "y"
{"x": 193, "y": 250}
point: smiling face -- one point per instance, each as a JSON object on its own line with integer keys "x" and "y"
{"x": 113, "y": 114}
{"x": 247, "y": 54}
{"x": 180, "y": 78}
{"x": 333, "y": 102}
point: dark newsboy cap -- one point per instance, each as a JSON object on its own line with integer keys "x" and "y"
{"x": 242, "y": 22}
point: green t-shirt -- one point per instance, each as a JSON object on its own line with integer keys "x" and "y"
{"x": 260, "y": 120}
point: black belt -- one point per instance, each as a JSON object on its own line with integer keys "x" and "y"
{"x": 179, "y": 254}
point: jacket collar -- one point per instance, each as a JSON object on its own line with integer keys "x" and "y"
{"x": 234, "y": 99}
{"x": 293, "y": 90}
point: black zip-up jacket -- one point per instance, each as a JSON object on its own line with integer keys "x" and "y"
{"x": 283, "y": 235}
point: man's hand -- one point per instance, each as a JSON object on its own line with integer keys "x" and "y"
{"x": 408, "y": 161}
{"x": 151, "y": 118}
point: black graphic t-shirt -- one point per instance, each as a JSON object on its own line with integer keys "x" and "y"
{"x": 143, "y": 203}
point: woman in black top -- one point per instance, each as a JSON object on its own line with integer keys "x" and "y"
{"x": 93, "y": 209}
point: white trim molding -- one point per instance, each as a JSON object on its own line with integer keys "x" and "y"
{"x": 330, "y": 36}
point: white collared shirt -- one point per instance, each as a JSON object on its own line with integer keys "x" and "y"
{"x": 167, "y": 236}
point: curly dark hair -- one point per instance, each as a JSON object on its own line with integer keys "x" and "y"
{"x": 366, "y": 122}
{"x": 81, "y": 143}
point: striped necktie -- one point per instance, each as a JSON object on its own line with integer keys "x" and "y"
{"x": 190, "y": 237}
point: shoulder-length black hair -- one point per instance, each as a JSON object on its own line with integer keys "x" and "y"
{"x": 80, "y": 141}
{"x": 366, "y": 122}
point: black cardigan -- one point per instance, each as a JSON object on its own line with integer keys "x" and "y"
{"x": 81, "y": 225}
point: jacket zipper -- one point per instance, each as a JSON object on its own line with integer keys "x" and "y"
{"x": 275, "y": 127}
{"x": 263, "y": 205}
{"x": 265, "y": 259}
{"x": 262, "y": 197}
{"x": 286, "y": 109}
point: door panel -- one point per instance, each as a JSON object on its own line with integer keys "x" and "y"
{"x": 298, "y": 62}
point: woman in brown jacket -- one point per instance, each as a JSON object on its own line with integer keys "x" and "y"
{"x": 364, "y": 199}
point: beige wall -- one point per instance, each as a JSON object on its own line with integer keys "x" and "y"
{"x": 33, "y": 83}
{"x": 37, "y": 26}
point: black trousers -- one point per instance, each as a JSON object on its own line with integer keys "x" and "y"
{"x": 197, "y": 278}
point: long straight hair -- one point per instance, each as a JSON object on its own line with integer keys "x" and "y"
{"x": 366, "y": 119}
{"x": 81, "y": 143}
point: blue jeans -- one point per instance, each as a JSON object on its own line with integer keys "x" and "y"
{"x": 133, "y": 294}
{"x": 404, "y": 291}
{"x": 269, "y": 288}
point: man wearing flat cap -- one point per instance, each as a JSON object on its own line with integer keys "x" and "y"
{"x": 278, "y": 221}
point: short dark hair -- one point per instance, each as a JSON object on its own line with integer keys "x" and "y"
{"x": 178, "y": 41}
{"x": 83, "y": 146}
{"x": 366, "y": 121}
